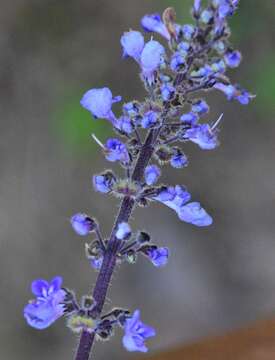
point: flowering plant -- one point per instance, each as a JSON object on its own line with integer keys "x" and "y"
{"x": 195, "y": 60}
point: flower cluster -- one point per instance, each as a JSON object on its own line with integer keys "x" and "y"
{"x": 149, "y": 134}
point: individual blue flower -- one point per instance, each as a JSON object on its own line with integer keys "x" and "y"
{"x": 47, "y": 307}
{"x": 167, "y": 91}
{"x": 158, "y": 256}
{"x": 104, "y": 182}
{"x": 153, "y": 23}
{"x": 151, "y": 58}
{"x": 176, "y": 198}
{"x": 235, "y": 93}
{"x": 206, "y": 16}
{"x": 173, "y": 197}
{"x": 177, "y": 61}
{"x": 116, "y": 151}
{"x": 135, "y": 333}
{"x": 200, "y": 107}
{"x": 194, "y": 214}
{"x": 149, "y": 119}
{"x": 233, "y": 58}
{"x": 190, "y": 118}
{"x": 203, "y": 71}
{"x": 82, "y": 224}
{"x": 179, "y": 160}
{"x": 183, "y": 48}
{"x": 218, "y": 66}
{"x": 188, "y": 31}
{"x": 203, "y": 135}
{"x": 219, "y": 46}
{"x": 125, "y": 125}
{"x": 123, "y": 231}
{"x": 151, "y": 174}
{"x": 96, "y": 262}
{"x": 99, "y": 103}
{"x": 132, "y": 43}
{"x": 131, "y": 109}
{"x": 197, "y": 5}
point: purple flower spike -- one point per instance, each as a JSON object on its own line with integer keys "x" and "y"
{"x": 159, "y": 256}
{"x": 99, "y": 103}
{"x": 153, "y": 23}
{"x": 116, "y": 151}
{"x": 41, "y": 312}
{"x": 136, "y": 333}
{"x": 82, "y": 224}
{"x": 194, "y": 214}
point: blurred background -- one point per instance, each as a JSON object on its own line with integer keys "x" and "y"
{"x": 218, "y": 278}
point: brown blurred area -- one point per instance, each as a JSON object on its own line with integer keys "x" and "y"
{"x": 218, "y": 278}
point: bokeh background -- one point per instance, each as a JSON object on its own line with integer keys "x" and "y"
{"x": 219, "y": 278}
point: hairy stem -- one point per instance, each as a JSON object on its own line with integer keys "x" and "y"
{"x": 104, "y": 277}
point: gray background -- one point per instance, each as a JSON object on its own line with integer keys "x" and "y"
{"x": 218, "y": 278}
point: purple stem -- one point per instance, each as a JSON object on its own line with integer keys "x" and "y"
{"x": 104, "y": 277}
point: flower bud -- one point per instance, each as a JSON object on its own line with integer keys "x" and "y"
{"x": 83, "y": 224}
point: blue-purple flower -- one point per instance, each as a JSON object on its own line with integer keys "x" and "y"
{"x": 96, "y": 262}
{"x": 124, "y": 124}
{"x": 99, "y": 103}
{"x": 188, "y": 31}
{"x": 153, "y": 23}
{"x": 82, "y": 224}
{"x": 151, "y": 58}
{"x": 151, "y": 174}
{"x": 176, "y": 198}
{"x": 233, "y": 58}
{"x": 123, "y": 231}
{"x": 104, "y": 182}
{"x": 234, "y": 92}
{"x": 203, "y": 135}
{"x": 177, "y": 61}
{"x": 194, "y": 214}
{"x": 167, "y": 91}
{"x": 200, "y": 107}
{"x": 136, "y": 333}
{"x": 190, "y": 118}
{"x": 158, "y": 256}
{"x": 178, "y": 160}
{"x": 149, "y": 119}
{"x": 47, "y": 307}
{"x": 132, "y": 43}
{"x": 116, "y": 151}
{"x": 173, "y": 197}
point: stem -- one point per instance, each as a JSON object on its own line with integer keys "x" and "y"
{"x": 104, "y": 277}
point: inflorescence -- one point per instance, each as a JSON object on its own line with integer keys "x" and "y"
{"x": 195, "y": 60}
